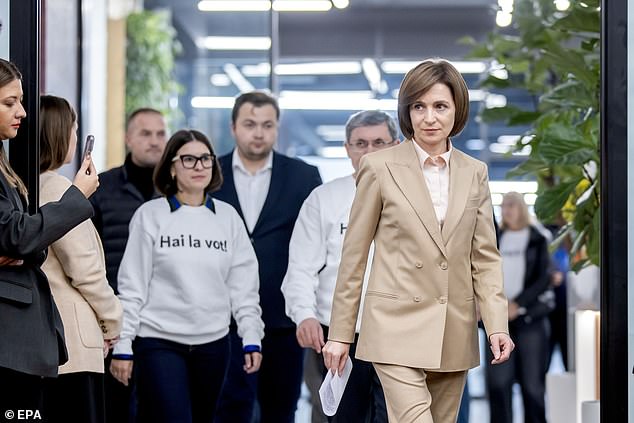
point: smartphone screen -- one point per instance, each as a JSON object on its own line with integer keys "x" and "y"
{"x": 90, "y": 143}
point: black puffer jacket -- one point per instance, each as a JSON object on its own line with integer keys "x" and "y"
{"x": 115, "y": 202}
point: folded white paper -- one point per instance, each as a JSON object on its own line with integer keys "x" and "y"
{"x": 332, "y": 388}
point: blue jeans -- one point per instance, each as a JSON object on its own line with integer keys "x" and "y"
{"x": 179, "y": 383}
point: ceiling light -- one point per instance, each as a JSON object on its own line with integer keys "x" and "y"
{"x": 331, "y": 132}
{"x": 503, "y": 19}
{"x": 562, "y": 5}
{"x": 302, "y": 5}
{"x": 305, "y": 103}
{"x": 220, "y": 80}
{"x": 341, "y": 4}
{"x": 256, "y": 71}
{"x": 234, "y": 5}
{"x": 234, "y": 43}
{"x": 373, "y": 75}
{"x": 318, "y": 68}
{"x": 523, "y": 187}
{"x": 405, "y": 66}
{"x": 506, "y": 5}
{"x": 237, "y": 78}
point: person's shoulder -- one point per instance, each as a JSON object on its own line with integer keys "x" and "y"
{"x": 467, "y": 159}
{"x": 294, "y": 163}
{"x": 222, "y": 207}
{"x": 154, "y": 207}
{"x": 336, "y": 185}
{"x": 114, "y": 174}
{"x": 52, "y": 186}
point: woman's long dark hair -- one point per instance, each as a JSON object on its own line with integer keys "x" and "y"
{"x": 9, "y": 73}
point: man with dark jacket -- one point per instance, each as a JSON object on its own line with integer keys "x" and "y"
{"x": 267, "y": 189}
{"x": 121, "y": 191}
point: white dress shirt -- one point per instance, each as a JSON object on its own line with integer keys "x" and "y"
{"x": 436, "y": 173}
{"x": 315, "y": 252}
{"x": 252, "y": 189}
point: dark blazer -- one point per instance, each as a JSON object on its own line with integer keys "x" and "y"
{"x": 32, "y": 335}
{"x": 115, "y": 202}
{"x": 291, "y": 182}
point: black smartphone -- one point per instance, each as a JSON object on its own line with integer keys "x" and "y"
{"x": 90, "y": 143}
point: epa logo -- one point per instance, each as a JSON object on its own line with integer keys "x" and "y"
{"x": 23, "y": 415}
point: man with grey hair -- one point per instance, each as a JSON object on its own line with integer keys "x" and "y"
{"x": 314, "y": 256}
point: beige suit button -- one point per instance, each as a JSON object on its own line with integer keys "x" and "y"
{"x": 442, "y": 300}
{"x": 443, "y": 265}
{"x": 419, "y": 265}
{"x": 417, "y": 299}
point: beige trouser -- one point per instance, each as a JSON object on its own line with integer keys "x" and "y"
{"x": 421, "y": 396}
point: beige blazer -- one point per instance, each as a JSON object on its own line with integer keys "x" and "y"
{"x": 420, "y": 304}
{"x": 75, "y": 268}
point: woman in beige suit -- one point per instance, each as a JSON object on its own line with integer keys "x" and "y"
{"x": 427, "y": 207}
{"x": 75, "y": 268}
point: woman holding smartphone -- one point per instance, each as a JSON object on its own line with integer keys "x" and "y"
{"x": 32, "y": 345}
{"x": 187, "y": 268}
{"x": 75, "y": 268}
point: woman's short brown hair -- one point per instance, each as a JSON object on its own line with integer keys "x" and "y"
{"x": 420, "y": 79}
{"x": 163, "y": 180}
{"x": 56, "y": 124}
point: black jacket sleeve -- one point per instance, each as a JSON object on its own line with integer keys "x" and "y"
{"x": 22, "y": 235}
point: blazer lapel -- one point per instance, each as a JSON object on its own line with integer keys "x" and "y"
{"x": 409, "y": 178}
{"x": 272, "y": 201}
{"x": 460, "y": 177}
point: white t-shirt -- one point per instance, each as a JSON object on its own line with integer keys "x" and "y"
{"x": 184, "y": 272}
{"x": 513, "y": 246}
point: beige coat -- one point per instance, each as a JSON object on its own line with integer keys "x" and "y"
{"x": 75, "y": 268}
{"x": 420, "y": 304}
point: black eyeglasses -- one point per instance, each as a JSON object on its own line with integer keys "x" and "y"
{"x": 361, "y": 145}
{"x": 189, "y": 162}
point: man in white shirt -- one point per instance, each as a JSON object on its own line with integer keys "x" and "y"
{"x": 267, "y": 189}
{"x": 314, "y": 256}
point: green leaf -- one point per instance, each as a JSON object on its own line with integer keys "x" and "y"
{"x": 551, "y": 200}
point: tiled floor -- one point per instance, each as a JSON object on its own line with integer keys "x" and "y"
{"x": 479, "y": 406}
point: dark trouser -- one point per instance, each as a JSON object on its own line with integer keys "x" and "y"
{"x": 20, "y": 391}
{"x": 179, "y": 383}
{"x": 75, "y": 397}
{"x": 463, "y": 413}
{"x": 278, "y": 382}
{"x": 527, "y": 366}
{"x": 363, "y": 399}
{"x": 120, "y": 399}
{"x": 313, "y": 377}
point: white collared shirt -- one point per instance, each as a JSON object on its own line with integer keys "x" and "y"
{"x": 252, "y": 189}
{"x": 436, "y": 173}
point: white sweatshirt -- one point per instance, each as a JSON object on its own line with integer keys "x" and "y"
{"x": 315, "y": 252}
{"x": 185, "y": 270}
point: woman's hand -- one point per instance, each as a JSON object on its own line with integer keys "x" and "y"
{"x": 86, "y": 179}
{"x": 501, "y": 347}
{"x": 252, "y": 362}
{"x": 121, "y": 370}
{"x": 108, "y": 344}
{"x": 335, "y": 355}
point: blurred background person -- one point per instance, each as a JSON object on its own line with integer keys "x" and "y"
{"x": 314, "y": 256}
{"x": 32, "y": 346}
{"x": 75, "y": 268}
{"x": 525, "y": 263}
{"x": 122, "y": 190}
{"x": 188, "y": 267}
{"x": 267, "y": 189}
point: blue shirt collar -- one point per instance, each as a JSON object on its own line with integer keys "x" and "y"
{"x": 175, "y": 204}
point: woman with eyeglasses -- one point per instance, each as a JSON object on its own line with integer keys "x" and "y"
{"x": 187, "y": 268}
